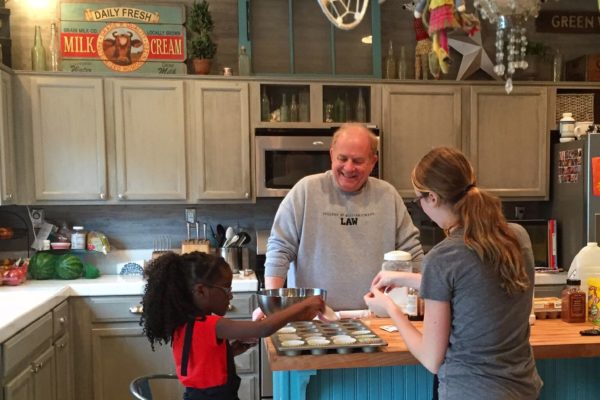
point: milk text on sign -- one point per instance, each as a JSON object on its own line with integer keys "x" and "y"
{"x": 79, "y": 44}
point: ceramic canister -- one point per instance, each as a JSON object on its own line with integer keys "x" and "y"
{"x": 567, "y": 125}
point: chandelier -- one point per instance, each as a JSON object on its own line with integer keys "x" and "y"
{"x": 510, "y": 17}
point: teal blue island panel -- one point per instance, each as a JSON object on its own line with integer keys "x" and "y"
{"x": 564, "y": 379}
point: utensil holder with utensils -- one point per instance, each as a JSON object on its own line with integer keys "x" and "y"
{"x": 236, "y": 257}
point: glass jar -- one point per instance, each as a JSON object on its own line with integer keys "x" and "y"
{"x": 572, "y": 302}
{"x": 398, "y": 260}
{"x": 78, "y": 238}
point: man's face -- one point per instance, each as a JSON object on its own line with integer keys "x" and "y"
{"x": 352, "y": 160}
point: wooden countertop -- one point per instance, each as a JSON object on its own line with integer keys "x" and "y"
{"x": 551, "y": 338}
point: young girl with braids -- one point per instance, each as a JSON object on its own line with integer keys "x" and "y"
{"x": 477, "y": 285}
{"x": 185, "y": 301}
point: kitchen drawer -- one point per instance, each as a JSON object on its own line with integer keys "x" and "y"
{"x": 60, "y": 320}
{"x": 114, "y": 308}
{"x": 22, "y": 347}
{"x": 241, "y": 306}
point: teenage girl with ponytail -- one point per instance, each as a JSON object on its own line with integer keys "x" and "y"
{"x": 185, "y": 301}
{"x": 477, "y": 285}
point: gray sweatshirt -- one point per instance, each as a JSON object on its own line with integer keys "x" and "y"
{"x": 327, "y": 238}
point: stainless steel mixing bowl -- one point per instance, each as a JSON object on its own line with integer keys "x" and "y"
{"x": 273, "y": 300}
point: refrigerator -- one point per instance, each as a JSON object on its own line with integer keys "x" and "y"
{"x": 575, "y": 195}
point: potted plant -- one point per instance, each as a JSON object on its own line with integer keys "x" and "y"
{"x": 535, "y": 53}
{"x": 201, "y": 48}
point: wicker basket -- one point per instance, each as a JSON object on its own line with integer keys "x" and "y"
{"x": 580, "y": 105}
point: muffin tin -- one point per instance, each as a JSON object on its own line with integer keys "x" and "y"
{"x": 316, "y": 337}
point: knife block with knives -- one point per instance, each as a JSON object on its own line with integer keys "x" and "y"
{"x": 194, "y": 244}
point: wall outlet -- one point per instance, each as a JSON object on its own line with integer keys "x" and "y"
{"x": 519, "y": 212}
{"x": 37, "y": 217}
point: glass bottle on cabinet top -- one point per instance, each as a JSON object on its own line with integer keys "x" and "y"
{"x": 38, "y": 53}
{"x": 390, "y": 63}
{"x": 54, "y": 50}
{"x": 244, "y": 62}
{"x": 402, "y": 64}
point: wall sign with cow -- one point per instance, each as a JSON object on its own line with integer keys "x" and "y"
{"x": 123, "y": 38}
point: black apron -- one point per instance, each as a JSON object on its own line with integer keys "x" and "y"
{"x": 227, "y": 391}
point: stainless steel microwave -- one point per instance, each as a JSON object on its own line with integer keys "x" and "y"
{"x": 285, "y": 155}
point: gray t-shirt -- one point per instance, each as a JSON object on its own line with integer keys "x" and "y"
{"x": 334, "y": 240}
{"x": 489, "y": 355}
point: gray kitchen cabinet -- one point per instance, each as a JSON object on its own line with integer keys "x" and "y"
{"x": 68, "y": 138}
{"x": 504, "y": 136}
{"x": 8, "y": 189}
{"x": 36, "y": 362}
{"x": 111, "y": 350}
{"x": 221, "y": 134}
{"x": 509, "y": 142}
{"x": 417, "y": 118}
{"x": 63, "y": 351}
{"x": 34, "y": 382}
{"x": 150, "y": 139}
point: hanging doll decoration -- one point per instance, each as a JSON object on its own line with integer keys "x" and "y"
{"x": 423, "y": 46}
{"x": 439, "y": 15}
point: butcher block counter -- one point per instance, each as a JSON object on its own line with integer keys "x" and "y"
{"x": 558, "y": 347}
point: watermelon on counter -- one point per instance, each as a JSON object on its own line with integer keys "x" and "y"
{"x": 68, "y": 266}
{"x": 42, "y": 265}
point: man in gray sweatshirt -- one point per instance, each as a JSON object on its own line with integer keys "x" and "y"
{"x": 332, "y": 229}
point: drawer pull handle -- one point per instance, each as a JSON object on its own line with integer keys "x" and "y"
{"x": 62, "y": 320}
{"x": 137, "y": 309}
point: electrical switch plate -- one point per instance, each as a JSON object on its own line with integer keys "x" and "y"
{"x": 190, "y": 215}
{"x": 37, "y": 217}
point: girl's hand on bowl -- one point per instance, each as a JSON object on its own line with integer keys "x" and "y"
{"x": 311, "y": 306}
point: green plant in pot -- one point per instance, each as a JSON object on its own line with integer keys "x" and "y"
{"x": 201, "y": 47}
{"x": 535, "y": 53}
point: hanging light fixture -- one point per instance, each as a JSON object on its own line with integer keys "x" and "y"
{"x": 510, "y": 17}
{"x": 344, "y": 14}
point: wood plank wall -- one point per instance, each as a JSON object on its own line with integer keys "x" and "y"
{"x": 396, "y": 25}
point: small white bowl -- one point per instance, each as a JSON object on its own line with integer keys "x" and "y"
{"x": 60, "y": 245}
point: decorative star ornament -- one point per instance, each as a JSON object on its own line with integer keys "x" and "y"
{"x": 474, "y": 56}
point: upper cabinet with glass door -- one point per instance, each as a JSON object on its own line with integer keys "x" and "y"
{"x": 301, "y": 104}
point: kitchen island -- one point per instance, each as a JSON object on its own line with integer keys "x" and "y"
{"x": 567, "y": 362}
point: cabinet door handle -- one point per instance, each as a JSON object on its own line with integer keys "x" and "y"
{"x": 9, "y": 196}
{"x": 230, "y": 307}
{"x": 122, "y": 196}
{"x": 137, "y": 309}
{"x": 102, "y": 196}
{"x": 318, "y": 143}
{"x": 247, "y": 195}
{"x": 62, "y": 320}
